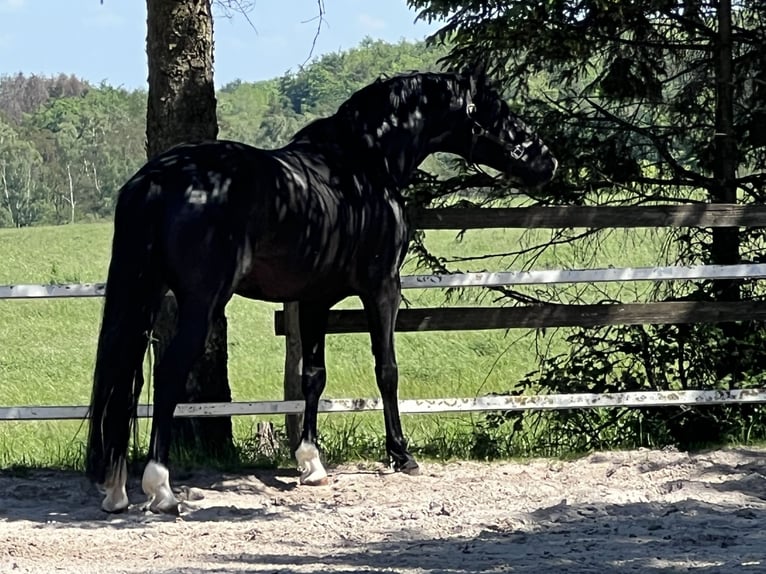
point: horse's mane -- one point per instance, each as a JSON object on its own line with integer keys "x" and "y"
{"x": 395, "y": 90}
{"x": 377, "y": 101}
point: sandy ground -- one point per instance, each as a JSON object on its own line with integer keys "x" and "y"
{"x": 639, "y": 511}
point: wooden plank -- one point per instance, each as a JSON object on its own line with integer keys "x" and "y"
{"x": 421, "y": 406}
{"x": 553, "y": 217}
{"x": 293, "y": 373}
{"x": 558, "y": 276}
{"x": 540, "y": 316}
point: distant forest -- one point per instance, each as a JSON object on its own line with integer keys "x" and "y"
{"x": 67, "y": 146}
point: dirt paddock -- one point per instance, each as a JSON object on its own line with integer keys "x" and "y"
{"x": 638, "y": 511}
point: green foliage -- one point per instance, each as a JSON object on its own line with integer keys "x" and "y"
{"x": 322, "y": 87}
{"x": 20, "y": 94}
{"x": 97, "y": 141}
{"x": 642, "y": 358}
{"x": 243, "y": 107}
{"x": 623, "y": 91}
{"x": 20, "y": 166}
{"x": 317, "y": 90}
{"x": 632, "y": 98}
{"x": 66, "y": 147}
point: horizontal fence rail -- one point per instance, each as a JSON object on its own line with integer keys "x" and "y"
{"x": 607, "y": 275}
{"x": 482, "y": 279}
{"x": 52, "y": 291}
{"x": 422, "y": 406}
{"x": 553, "y": 217}
{"x": 548, "y": 315}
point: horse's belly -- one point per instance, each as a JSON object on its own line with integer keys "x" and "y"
{"x": 273, "y": 283}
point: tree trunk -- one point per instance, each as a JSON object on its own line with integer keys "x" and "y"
{"x": 208, "y": 383}
{"x": 70, "y": 200}
{"x": 179, "y": 45}
{"x": 8, "y": 200}
{"x": 182, "y": 108}
{"x": 725, "y": 244}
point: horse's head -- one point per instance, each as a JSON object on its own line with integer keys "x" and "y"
{"x": 491, "y": 134}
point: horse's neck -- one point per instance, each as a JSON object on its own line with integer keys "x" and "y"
{"x": 395, "y": 150}
{"x": 401, "y": 161}
{"x": 389, "y": 158}
{"x": 405, "y": 140}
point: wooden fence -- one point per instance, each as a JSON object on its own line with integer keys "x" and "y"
{"x": 538, "y": 316}
{"x": 549, "y": 315}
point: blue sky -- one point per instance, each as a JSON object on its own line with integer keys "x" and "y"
{"x": 107, "y": 42}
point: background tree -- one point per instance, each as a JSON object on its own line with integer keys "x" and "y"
{"x": 21, "y": 94}
{"x": 100, "y": 131}
{"x": 651, "y": 101}
{"x": 182, "y": 108}
{"x": 20, "y": 164}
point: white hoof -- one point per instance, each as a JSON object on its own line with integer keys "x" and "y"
{"x": 156, "y": 485}
{"x": 116, "y": 495}
{"x": 313, "y": 473}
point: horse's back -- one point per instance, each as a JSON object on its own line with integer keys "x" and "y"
{"x": 278, "y": 225}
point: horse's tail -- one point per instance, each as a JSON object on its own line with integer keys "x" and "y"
{"x": 134, "y": 289}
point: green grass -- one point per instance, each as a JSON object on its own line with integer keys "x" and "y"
{"x": 47, "y": 346}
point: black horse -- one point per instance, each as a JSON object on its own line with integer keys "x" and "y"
{"x": 315, "y": 222}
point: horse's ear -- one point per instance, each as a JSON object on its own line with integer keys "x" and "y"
{"x": 476, "y": 73}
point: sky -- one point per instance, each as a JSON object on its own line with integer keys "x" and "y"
{"x": 107, "y": 42}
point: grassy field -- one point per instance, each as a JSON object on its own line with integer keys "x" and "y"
{"x": 47, "y": 346}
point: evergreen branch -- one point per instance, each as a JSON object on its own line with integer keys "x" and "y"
{"x": 659, "y": 145}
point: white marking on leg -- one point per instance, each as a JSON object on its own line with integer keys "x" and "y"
{"x": 156, "y": 485}
{"x": 313, "y": 473}
{"x": 116, "y": 496}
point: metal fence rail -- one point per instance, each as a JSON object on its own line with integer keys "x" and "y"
{"x": 421, "y": 406}
{"x": 485, "y": 279}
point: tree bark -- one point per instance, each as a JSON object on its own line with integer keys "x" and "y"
{"x": 179, "y": 44}
{"x": 725, "y": 245}
{"x": 182, "y": 108}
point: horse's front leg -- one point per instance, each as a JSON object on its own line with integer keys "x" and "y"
{"x": 381, "y": 308}
{"x": 313, "y": 327}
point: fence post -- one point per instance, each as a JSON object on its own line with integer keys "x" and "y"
{"x": 293, "y": 370}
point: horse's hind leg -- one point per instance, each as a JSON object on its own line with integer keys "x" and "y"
{"x": 381, "y": 308}
{"x": 118, "y": 380}
{"x": 195, "y": 315}
{"x": 115, "y": 487}
{"x": 313, "y": 326}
